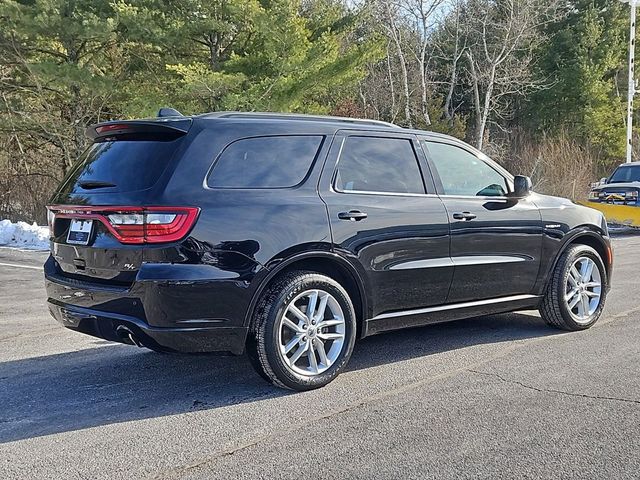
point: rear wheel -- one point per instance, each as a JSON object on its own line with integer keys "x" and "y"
{"x": 576, "y": 293}
{"x": 304, "y": 331}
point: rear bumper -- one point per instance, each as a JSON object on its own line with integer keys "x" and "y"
{"x": 116, "y": 328}
{"x": 169, "y": 315}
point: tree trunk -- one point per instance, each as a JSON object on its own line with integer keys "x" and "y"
{"x": 214, "y": 57}
{"x": 405, "y": 85}
{"x": 403, "y": 64}
{"x": 79, "y": 140}
{"x": 391, "y": 86}
{"x": 476, "y": 101}
{"x": 423, "y": 100}
{"x": 448, "y": 111}
{"x": 486, "y": 108}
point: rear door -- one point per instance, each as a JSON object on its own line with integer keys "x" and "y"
{"x": 387, "y": 220}
{"x": 496, "y": 240}
{"x": 119, "y": 169}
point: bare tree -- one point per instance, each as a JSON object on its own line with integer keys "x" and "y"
{"x": 377, "y": 92}
{"x": 500, "y": 56}
{"x": 454, "y": 30}
{"x": 394, "y": 29}
{"x": 420, "y": 17}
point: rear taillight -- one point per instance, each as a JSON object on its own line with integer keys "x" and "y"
{"x": 135, "y": 225}
{"x": 51, "y": 217}
{"x": 127, "y": 227}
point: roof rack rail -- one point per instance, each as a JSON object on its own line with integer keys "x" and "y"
{"x": 300, "y": 116}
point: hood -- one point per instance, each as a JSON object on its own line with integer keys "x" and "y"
{"x": 544, "y": 200}
{"x": 613, "y": 186}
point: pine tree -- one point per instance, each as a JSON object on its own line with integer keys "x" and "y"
{"x": 584, "y": 63}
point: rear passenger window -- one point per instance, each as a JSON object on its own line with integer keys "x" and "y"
{"x": 376, "y": 164}
{"x": 265, "y": 162}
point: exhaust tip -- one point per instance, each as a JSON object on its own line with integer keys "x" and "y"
{"x": 127, "y": 336}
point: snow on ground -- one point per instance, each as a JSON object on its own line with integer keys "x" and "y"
{"x": 23, "y": 235}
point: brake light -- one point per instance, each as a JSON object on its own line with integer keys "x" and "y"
{"x": 136, "y": 225}
{"x": 116, "y": 127}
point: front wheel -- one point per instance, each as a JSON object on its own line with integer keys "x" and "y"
{"x": 576, "y": 293}
{"x": 304, "y": 331}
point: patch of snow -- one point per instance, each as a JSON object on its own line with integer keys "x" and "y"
{"x": 23, "y": 235}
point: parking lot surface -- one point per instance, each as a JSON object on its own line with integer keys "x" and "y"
{"x": 499, "y": 396}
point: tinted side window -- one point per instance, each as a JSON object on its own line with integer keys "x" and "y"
{"x": 462, "y": 173}
{"x": 375, "y": 164}
{"x": 265, "y": 162}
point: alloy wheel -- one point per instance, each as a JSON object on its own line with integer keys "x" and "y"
{"x": 311, "y": 332}
{"x": 583, "y": 289}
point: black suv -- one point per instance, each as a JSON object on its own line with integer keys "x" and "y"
{"x": 291, "y": 236}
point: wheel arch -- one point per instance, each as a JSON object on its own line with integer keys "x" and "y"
{"x": 327, "y": 263}
{"x": 590, "y": 238}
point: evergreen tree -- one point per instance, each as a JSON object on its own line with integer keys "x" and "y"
{"x": 584, "y": 63}
{"x": 246, "y": 55}
{"x": 61, "y": 63}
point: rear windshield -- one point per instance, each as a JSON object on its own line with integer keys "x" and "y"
{"x": 120, "y": 166}
{"x": 626, "y": 174}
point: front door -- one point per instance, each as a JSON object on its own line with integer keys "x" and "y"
{"x": 496, "y": 239}
{"x": 386, "y": 219}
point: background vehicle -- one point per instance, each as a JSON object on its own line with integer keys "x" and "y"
{"x": 617, "y": 196}
{"x": 621, "y": 188}
{"x": 295, "y": 235}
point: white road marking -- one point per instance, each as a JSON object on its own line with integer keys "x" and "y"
{"x": 19, "y": 266}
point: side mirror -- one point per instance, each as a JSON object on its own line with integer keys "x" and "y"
{"x": 603, "y": 180}
{"x": 521, "y": 186}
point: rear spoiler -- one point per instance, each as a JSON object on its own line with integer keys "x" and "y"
{"x": 114, "y": 128}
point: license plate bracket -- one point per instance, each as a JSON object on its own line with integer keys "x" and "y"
{"x": 79, "y": 231}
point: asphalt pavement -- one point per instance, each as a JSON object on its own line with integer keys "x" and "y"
{"x": 500, "y": 396}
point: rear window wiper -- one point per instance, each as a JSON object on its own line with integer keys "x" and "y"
{"x": 91, "y": 184}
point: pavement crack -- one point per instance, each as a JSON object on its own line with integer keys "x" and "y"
{"x": 258, "y": 438}
{"x": 553, "y": 390}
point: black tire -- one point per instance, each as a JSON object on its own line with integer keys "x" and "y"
{"x": 264, "y": 337}
{"x": 554, "y": 309}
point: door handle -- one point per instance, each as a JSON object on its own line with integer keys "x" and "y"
{"x": 464, "y": 216}
{"x": 352, "y": 215}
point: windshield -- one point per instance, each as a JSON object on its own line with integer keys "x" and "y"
{"x": 626, "y": 174}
